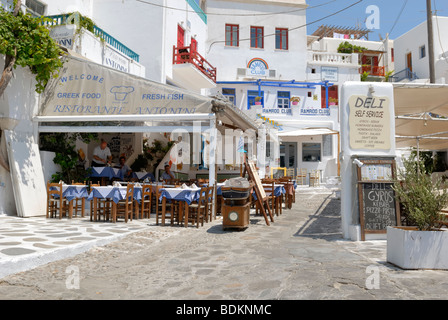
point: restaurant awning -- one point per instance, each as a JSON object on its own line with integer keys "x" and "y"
{"x": 99, "y": 98}
{"x": 421, "y": 111}
{"x": 307, "y": 132}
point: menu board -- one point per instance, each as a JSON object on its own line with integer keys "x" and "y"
{"x": 378, "y": 207}
{"x": 375, "y": 172}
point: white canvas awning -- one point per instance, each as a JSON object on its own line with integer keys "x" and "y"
{"x": 93, "y": 96}
{"x": 307, "y": 132}
{"x": 421, "y": 112}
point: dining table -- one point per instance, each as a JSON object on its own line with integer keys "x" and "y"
{"x": 185, "y": 196}
{"x": 115, "y": 194}
{"x": 106, "y": 173}
{"x": 72, "y": 192}
{"x": 142, "y": 175}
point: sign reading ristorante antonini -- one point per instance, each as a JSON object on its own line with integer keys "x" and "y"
{"x": 369, "y": 122}
{"x": 84, "y": 88}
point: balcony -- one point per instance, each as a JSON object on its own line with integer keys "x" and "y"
{"x": 66, "y": 19}
{"x": 373, "y": 71}
{"x": 336, "y": 59}
{"x": 191, "y": 70}
{"x": 93, "y": 43}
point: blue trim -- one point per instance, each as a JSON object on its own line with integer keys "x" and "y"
{"x": 251, "y": 96}
{"x": 289, "y": 97}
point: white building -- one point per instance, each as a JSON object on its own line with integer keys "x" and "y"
{"x": 265, "y": 55}
{"x": 412, "y": 54}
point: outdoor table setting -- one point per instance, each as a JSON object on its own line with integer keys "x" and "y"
{"x": 185, "y": 195}
{"x": 106, "y": 172}
{"x": 72, "y": 192}
{"x": 115, "y": 193}
{"x": 142, "y": 175}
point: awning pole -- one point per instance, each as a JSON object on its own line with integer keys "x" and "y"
{"x": 213, "y": 167}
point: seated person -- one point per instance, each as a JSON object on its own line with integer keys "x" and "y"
{"x": 167, "y": 174}
{"x": 124, "y": 168}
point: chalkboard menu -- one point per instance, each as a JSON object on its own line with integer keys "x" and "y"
{"x": 378, "y": 206}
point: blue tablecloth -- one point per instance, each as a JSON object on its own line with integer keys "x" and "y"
{"x": 71, "y": 192}
{"x": 114, "y": 193}
{"x": 106, "y": 172}
{"x": 187, "y": 195}
{"x": 143, "y": 176}
{"x": 278, "y": 191}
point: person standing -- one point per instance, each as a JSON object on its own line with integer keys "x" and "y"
{"x": 101, "y": 155}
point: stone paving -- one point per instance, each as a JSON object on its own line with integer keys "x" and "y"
{"x": 300, "y": 256}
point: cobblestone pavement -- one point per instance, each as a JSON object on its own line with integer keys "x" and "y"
{"x": 300, "y": 256}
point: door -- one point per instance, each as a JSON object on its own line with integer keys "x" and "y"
{"x": 409, "y": 61}
{"x": 180, "y": 36}
{"x": 194, "y": 45}
{"x": 288, "y": 155}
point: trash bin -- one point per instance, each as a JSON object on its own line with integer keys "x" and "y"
{"x": 236, "y": 207}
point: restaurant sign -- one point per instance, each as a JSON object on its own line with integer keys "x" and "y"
{"x": 369, "y": 122}
{"x": 85, "y": 88}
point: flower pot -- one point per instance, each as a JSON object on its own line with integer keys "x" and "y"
{"x": 409, "y": 248}
{"x": 294, "y": 103}
{"x": 258, "y": 103}
{"x": 332, "y": 103}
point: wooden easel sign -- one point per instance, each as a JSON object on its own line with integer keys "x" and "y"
{"x": 378, "y": 206}
{"x": 249, "y": 166}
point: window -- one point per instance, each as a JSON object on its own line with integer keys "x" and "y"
{"x": 422, "y": 51}
{"x": 283, "y": 99}
{"x": 232, "y": 35}
{"x": 281, "y": 39}
{"x": 251, "y": 95}
{"x": 256, "y": 37}
{"x": 311, "y": 152}
{"x": 229, "y": 94}
{"x": 35, "y": 8}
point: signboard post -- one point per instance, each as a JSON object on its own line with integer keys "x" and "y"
{"x": 367, "y": 158}
{"x": 378, "y": 207}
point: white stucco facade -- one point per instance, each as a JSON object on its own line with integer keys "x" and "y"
{"x": 414, "y": 45}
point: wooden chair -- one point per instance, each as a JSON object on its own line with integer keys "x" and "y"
{"x": 162, "y": 206}
{"x": 78, "y": 204}
{"x": 301, "y": 176}
{"x": 209, "y": 203}
{"x": 125, "y": 208}
{"x": 269, "y": 190}
{"x": 103, "y": 207}
{"x": 146, "y": 201}
{"x": 290, "y": 172}
{"x": 196, "y": 213}
{"x": 57, "y": 205}
{"x": 314, "y": 178}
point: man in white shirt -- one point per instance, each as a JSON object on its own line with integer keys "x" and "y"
{"x": 101, "y": 155}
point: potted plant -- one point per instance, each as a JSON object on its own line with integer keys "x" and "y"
{"x": 332, "y": 101}
{"x": 423, "y": 244}
{"x": 258, "y": 101}
{"x": 295, "y": 100}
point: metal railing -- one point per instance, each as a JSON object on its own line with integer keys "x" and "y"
{"x": 62, "y": 19}
{"x": 402, "y": 75}
{"x": 190, "y": 55}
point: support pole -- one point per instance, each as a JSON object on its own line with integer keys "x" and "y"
{"x": 432, "y": 76}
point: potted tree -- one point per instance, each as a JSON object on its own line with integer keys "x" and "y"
{"x": 258, "y": 101}
{"x": 295, "y": 100}
{"x": 423, "y": 244}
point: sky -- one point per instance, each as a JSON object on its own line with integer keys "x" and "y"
{"x": 412, "y": 15}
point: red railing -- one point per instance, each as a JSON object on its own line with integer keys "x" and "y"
{"x": 373, "y": 70}
{"x": 190, "y": 55}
